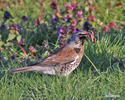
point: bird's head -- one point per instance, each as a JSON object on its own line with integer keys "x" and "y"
{"x": 80, "y": 37}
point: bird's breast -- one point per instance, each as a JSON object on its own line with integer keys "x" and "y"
{"x": 77, "y": 57}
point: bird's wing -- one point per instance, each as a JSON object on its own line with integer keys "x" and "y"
{"x": 62, "y": 56}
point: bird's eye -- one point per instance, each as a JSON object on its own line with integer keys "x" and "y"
{"x": 80, "y": 35}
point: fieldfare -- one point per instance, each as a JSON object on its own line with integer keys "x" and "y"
{"x": 64, "y": 60}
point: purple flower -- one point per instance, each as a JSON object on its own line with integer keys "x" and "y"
{"x": 60, "y": 31}
{"x": 21, "y": 31}
{"x": 18, "y": 25}
{"x": 25, "y": 18}
{"x": 25, "y": 60}
{"x": 79, "y": 14}
{"x": 60, "y": 34}
{"x": 54, "y": 5}
{"x": 77, "y": 30}
{"x": 12, "y": 57}
{"x": 3, "y": 59}
{"x": 87, "y": 26}
{"x": 62, "y": 41}
{"x": 3, "y": 27}
{"x": 55, "y": 20}
{"x": 71, "y": 30}
{"x": 7, "y": 15}
{"x": 21, "y": 41}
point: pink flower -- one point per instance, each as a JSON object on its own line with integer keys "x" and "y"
{"x": 91, "y": 8}
{"x": 106, "y": 28}
{"x": 62, "y": 31}
{"x": 68, "y": 16}
{"x": 71, "y": 30}
{"x": 121, "y": 27}
{"x": 32, "y": 49}
{"x": 112, "y": 24}
{"x": 79, "y": 14}
{"x": 91, "y": 18}
{"x": 14, "y": 27}
{"x": 74, "y": 22}
{"x": 62, "y": 41}
{"x": 54, "y": 5}
{"x": 71, "y": 6}
{"x": 108, "y": 4}
{"x": 36, "y": 22}
{"x": 60, "y": 34}
{"x": 74, "y": 6}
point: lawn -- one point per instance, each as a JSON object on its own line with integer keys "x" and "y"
{"x": 29, "y": 31}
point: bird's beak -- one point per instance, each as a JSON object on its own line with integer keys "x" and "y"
{"x": 84, "y": 34}
{"x": 88, "y": 35}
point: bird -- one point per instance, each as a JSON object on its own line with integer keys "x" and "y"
{"x": 64, "y": 60}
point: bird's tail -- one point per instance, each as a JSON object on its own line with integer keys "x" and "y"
{"x": 23, "y": 69}
{"x": 46, "y": 70}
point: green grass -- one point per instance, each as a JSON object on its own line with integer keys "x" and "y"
{"x": 78, "y": 85}
{"x": 100, "y": 75}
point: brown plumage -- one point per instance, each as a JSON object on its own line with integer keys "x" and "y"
{"x": 64, "y": 60}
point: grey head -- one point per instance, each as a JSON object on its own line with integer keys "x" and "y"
{"x": 79, "y": 38}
